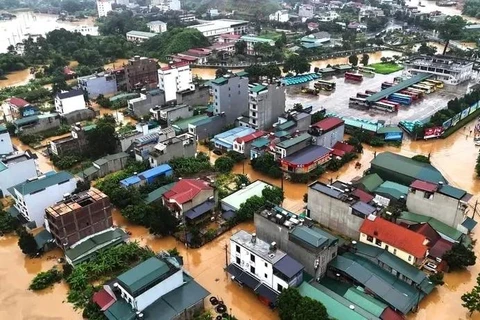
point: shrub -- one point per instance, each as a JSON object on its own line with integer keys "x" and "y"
{"x": 45, "y": 279}
{"x": 224, "y": 164}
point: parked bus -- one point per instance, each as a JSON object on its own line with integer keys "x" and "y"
{"x": 411, "y": 94}
{"x": 438, "y": 83}
{"x": 384, "y": 107}
{"x": 362, "y": 95}
{"x": 358, "y": 102}
{"x": 432, "y": 87}
{"x": 400, "y": 98}
{"x": 325, "y": 85}
{"x": 386, "y": 85}
{"x": 422, "y": 87}
{"x": 370, "y": 92}
{"x": 353, "y": 77}
{"x": 417, "y": 91}
{"x": 397, "y": 105}
{"x": 310, "y": 91}
{"x": 367, "y": 70}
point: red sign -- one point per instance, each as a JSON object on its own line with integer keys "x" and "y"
{"x": 433, "y": 132}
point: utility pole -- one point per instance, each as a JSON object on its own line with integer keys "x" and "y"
{"x": 475, "y": 209}
{"x": 226, "y": 256}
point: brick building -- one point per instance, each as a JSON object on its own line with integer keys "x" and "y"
{"x": 141, "y": 73}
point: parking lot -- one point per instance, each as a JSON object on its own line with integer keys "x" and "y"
{"x": 337, "y": 101}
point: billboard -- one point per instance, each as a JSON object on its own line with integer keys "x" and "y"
{"x": 473, "y": 107}
{"x": 465, "y": 113}
{"x": 433, "y": 132}
{"x": 455, "y": 119}
{"x": 447, "y": 124}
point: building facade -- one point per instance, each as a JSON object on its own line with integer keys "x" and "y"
{"x": 142, "y": 105}
{"x": 230, "y": 96}
{"x": 69, "y": 101}
{"x": 139, "y": 36}
{"x": 103, "y": 8}
{"x": 98, "y": 84}
{"x": 328, "y": 131}
{"x": 280, "y": 16}
{"x": 157, "y": 26}
{"x": 175, "y": 78}
{"x": 187, "y": 194}
{"x": 6, "y": 146}
{"x": 252, "y": 41}
{"x": 214, "y": 28}
{"x": 15, "y": 169}
{"x": 451, "y": 71}
{"x": 266, "y": 103}
{"x": 167, "y": 115}
{"x": 78, "y": 216}
{"x": 306, "y": 11}
{"x": 141, "y": 72}
{"x": 181, "y": 146}
{"x": 38, "y": 123}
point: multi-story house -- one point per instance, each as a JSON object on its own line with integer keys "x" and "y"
{"x": 167, "y": 115}
{"x": 15, "y": 108}
{"x": 15, "y": 169}
{"x": 288, "y": 147}
{"x": 280, "y": 16}
{"x": 251, "y": 41}
{"x": 311, "y": 246}
{"x": 6, "y": 146}
{"x": 141, "y": 73}
{"x": 147, "y": 177}
{"x": 328, "y": 16}
{"x": 243, "y": 144}
{"x": 261, "y": 266}
{"x": 139, "y": 36}
{"x": 328, "y": 132}
{"x": 98, "y": 84}
{"x": 103, "y": 7}
{"x": 181, "y": 146}
{"x": 142, "y": 105}
{"x": 306, "y": 11}
{"x": 157, "y": 26}
{"x": 69, "y": 101}
{"x": 76, "y": 143}
{"x": 214, "y": 28}
{"x": 230, "y": 96}
{"x": 175, "y": 78}
{"x": 408, "y": 245}
{"x": 266, "y": 103}
{"x": 225, "y": 140}
{"x": 78, "y": 216}
{"x": 447, "y": 69}
{"x": 37, "y": 123}
{"x": 37, "y": 193}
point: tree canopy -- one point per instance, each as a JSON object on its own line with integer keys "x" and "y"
{"x": 119, "y": 23}
{"x": 471, "y": 299}
{"x": 451, "y": 29}
{"x": 102, "y": 140}
{"x": 292, "y": 306}
{"x": 27, "y": 242}
{"x": 256, "y": 71}
{"x": 459, "y": 257}
{"x": 297, "y": 64}
{"x": 224, "y": 164}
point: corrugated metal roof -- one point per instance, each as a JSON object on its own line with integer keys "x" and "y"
{"x": 453, "y": 192}
{"x": 291, "y": 142}
{"x": 185, "y": 296}
{"x": 310, "y": 236}
{"x": 42, "y": 182}
{"x": 236, "y": 199}
{"x": 307, "y": 155}
{"x": 288, "y": 266}
{"x": 200, "y": 210}
{"x": 395, "y": 190}
{"x": 371, "y": 182}
{"x": 369, "y": 303}
{"x": 402, "y": 85}
{"x": 383, "y": 130}
{"x": 258, "y": 88}
{"x": 158, "y": 193}
{"x": 439, "y": 226}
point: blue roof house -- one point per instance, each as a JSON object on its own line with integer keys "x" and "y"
{"x": 147, "y": 177}
{"x": 225, "y": 139}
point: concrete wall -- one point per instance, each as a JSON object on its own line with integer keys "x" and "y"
{"x": 176, "y": 150}
{"x": 6, "y": 146}
{"x": 333, "y": 213}
{"x": 127, "y": 141}
{"x": 231, "y": 98}
{"x": 191, "y": 312}
{"x": 200, "y": 198}
{"x": 208, "y": 130}
{"x": 95, "y": 86}
{"x": 175, "y": 113}
{"x": 42, "y": 124}
{"x": 162, "y": 288}
{"x": 437, "y": 206}
{"x": 71, "y": 104}
{"x": 199, "y": 97}
{"x": 141, "y": 107}
{"x": 80, "y": 115}
{"x": 17, "y": 173}
{"x": 297, "y": 147}
{"x": 270, "y": 106}
{"x": 328, "y": 139}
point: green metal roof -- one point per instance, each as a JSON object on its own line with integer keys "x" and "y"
{"x": 236, "y": 199}
{"x": 89, "y": 127}
{"x": 282, "y": 134}
{"x": 2, "y": 166}
{"x": 402, "y": 85}
{"x": 242, "y": 74}
{"x": 257, "y": 39}
{"x": 183, "y": 124}
{"x": 286, "y": 125}
{"x": 395, "y": 190}
{"x": 141, "y": 34}
{"x": 143, "y": 275}
{"x": 158, "y": 193}
{"x": 334, "y": 308}
{"x": 3, "y": 128}
{"x": 26, "y": 120}
{"x": 291, "y": 142}
{"x": 343, "y": 67}
{"x": 185, "y": 296}
{"x": 439, "y": 226}
{"x": 453, "y": 192}
{"x": 326, "y": 70}
{"x": 120, "y": 310}
{"x": 88, "y": 172}
{"x": 203, "y": 121}
{"x": 42, "y": 238}
{"x": 371, "y": 182}
{"x": 365, "y": 301}
{"x": 29, "y": 187}
{"x": 219, "y": 81}
{"x": 258, "y": 88}
{"x": 260, "y": 142}
{"x": 314, "y": 237}
{"x": 383, "y": 130}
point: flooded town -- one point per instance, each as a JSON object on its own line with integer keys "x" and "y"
{"x": 270, "y": 160}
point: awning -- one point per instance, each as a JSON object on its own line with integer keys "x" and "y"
{"x": 200, "y": 210}
{"x": 469, "y": 224}
{"x": 266, "y": 292}
{"x": 103, "y": 299}
{"x": 243, "y": 277}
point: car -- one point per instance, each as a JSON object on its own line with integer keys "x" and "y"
{"x": 430, "y": 266}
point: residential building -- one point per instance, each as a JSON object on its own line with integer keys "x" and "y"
{"x": 266, "y": 103}
{"x": 400, "y": 169}
{"x": 98, "y": 84}
{"x": 198, "y": 56}
{"x": 147, "y": 177}
{"x": 207, "y": 127}
{"x": 139, "y": 36}
{"x": 337, "y": 207}
{"x": 15, "y": 108}
{"x": 242, "y": 144}
{"x": 306, "y": 11}
{"x": 37, "y": 193}
{"x": 328, "y": 132}
{"x": 199, "y": 96}
{"x": 167, "y": 5}
{"x": 288, "y": 147}
{"x": 37, "y": 123}
{"x": 230, "y": 96}
{"x": 328, "y": 16}
{"x": 450, "y": 70}
{"x": 181, "y": 146}
{"x": 187, "y": 195}
{"x": 76, "y": 143}
{"x": 85, "y": 30}
{"x": 144, "y": 145}
{"x": 153, "y": 288}
{"x": 142, "y": 105}
{"x": 167, "y": 115}
{"x": 280, "y": 16}
{"x": 389, "y": 192}
{"x": 233, "y": 201}
{"x": 6, "y": 146}
{"x": 291, "y": 123}
{"x": 403, "y": 243}
{"x": 438, "y": 200}
{"x": 78, "y": 216}
{"x": 103, "y": 7}
{"x": 15, "y": 169}
{"x": 157, "y": 26}
{"x": 228, "y": 38}
{"x": 141, "y": 72}
{"x": 306, "y": 160}
{"x": 175, "y": 78}
{"x": 311, "y": 246}
{"x": 187, "y": 17}
{"x": 225, "y": 140}
{"x": 69, "y": 101}
{"x": 106, "y": 165}
{"x": 214, "y": 28}
{"x": 157, "y": 194}
{"x": 258, "y": 147}
{"x": 315, "y": 40}
{"x": 213, "y": 13}
{"x": 251, "y": 42}
{"x": 261, "y": 266}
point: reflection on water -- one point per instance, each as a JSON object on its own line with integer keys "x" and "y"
{"x": 430, "y": 5}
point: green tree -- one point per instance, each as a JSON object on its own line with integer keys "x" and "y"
{"x": 103, "y": 102}
{"x": 451, "y": 28}
{"x": 160, "y": 220}
{"x": 353, "y": 59}
{"x": 471, "y": 300}
{"x": 292, "y": 306}
{"x": 437, "y": 278}
{"x": 102, "y": 140}
{"x": 459, "y": 257}
{"x": 365, "y": 58}
{"x": 27, "y": 243}
{"x": 8, "y": 223}
{"x": 297, "y": 64}
{"x": 224, "y": 164}
{"x": 240, "y": 47}
{"x": 273, "y": 194}
{"x": 45, "y": 279}
{"x": 426, "y": 49}
{"x": 220, "y": 72}
{"x": 421, "y": 158}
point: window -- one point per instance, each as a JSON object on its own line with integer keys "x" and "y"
{"x": 394, "y": 251}
{"x": 279, "y": 287}
{"x": 229, "y": 95}
{"x": 409, "y": 258}
{"x": 252, "y": 269}
{"x": 252, "y": 257}
{"x": 386, "y": 247}
{"x": 266, "y": 276}
{"x": 237, "y": 249}
{"x": 427, "y": 195}
{"x": 378, "y": 242}
{"x": 238, "y": 261}
{"x": 266, "y": 265}
{"x": 334, "y": 254}
{"x": 369, "y": 239}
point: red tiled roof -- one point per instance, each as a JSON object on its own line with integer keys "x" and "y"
{"x": 389, "y": 314}
{"x": 440, "y": 247}
{"x": 340, "y": 148}
{"x": 426, "y": 230}
{"x": 363, "y": 196}
{"x": 68, "y": 71}
{"x": 395, "y": 236}
{"x": 18, "y": 102}
{"x": 230, "y": 36}
{"x": 424, "y": 186}
{"x": 174, "y": 65}
{"x": 250, "y": 137}
{"x": 185, "y": 190}
{"x": 103, "y": 299}
{"x": 328, "y": 124}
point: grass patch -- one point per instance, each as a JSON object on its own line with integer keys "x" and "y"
{"x": 270, "y": 34}
{"x": 386, "y": 68}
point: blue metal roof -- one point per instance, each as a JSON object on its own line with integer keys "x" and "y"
{"x": 200, "y": 210}
{"x": 363, "y": 208}
{"x": 242, "y": 276}
{"x": 402, "y": 85}
{"x": 156, "y": 171}
{"x": 469, "y": 223}
{"x": 307, "y": 155}
{"x": 288, "y": 266}
{"x": 130, "y": 181}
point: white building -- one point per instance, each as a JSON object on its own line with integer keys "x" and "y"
{"x": 34, "y": 195}
{"x": 139, "y": 36}
{"x": 266, "y": 103}
{"x": 167, "y": 5}
{"x": 69, "y": 101}
{"x": 122, "y": 2}
{"x": 280, "y": 16}
{"x": 175, "y": 78}
{"x": 103, "y": 8}
{"x": 251, "y": 41}
{"x": 6, "y": 146}
{"x": 214, "y": 28}
{"x": 328, "y": 16}
{"x": 16, "y": 169}
{"x": 262, "y": 266}
{"x": 157, "y": 26}
{"x": 86, "y": 30}
{"x": 447, "y": 69}
{"x": 306, "y": 11}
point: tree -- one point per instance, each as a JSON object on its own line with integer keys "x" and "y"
{"x": 220, "y": 72}
{"x": 437, "y": 279}
{"x": 224, "y": 164}
{"x": 426, "y": 49}
{"x": 292, "y": 306}
{"x": 102, "y": 140}
{"x": 27, "y": 242}
{"x": 471, "y": 300}
{"x": 298, "y": 64}
{"x": 365, "y": 58}
{"x": 103, "y": 102}
{"x": 421, "y": 158}
{"x": 240, "y": 47}
{"x": 160, "y": 220}
{"x": 451, "y": 28}
{"x": 459, "y": 257}
{"x": 353, "y": 59}
{"x": 8, "y": 223}
{"x": 273, "y": 194}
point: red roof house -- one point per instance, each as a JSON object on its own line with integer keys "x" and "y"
{"x": 427, "y": 230}
{"x": 375, "y": 229}
{"x": 103, "y": 299}
{"x": 187, "y": 194}
{"x": 328, "y": 124}
{"x": 250, "y": 137}
{"x": 341, "y": 148}
{"x": 17, "y": 102}
{"x": 424, "y": 186}
{"x": 363, "y": 196}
